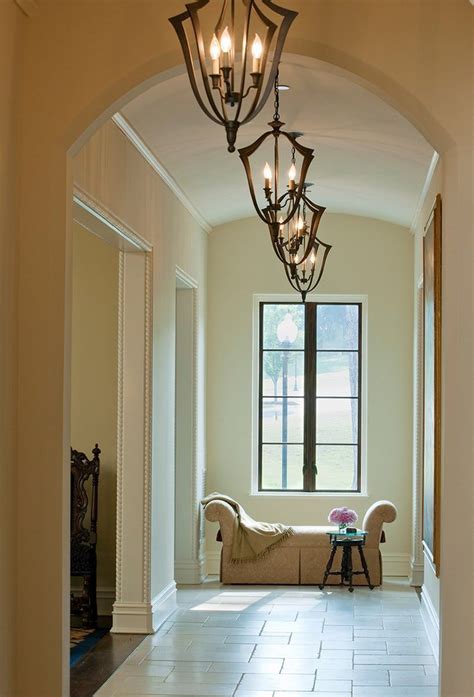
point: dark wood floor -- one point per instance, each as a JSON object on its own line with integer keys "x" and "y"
{"x": 99, "y": 663}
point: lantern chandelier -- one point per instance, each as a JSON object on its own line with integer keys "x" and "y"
{"x": 277, "y": 209}
{"x": 228, "y": 78}
{"x": 305, "y": 254}
{"x": 293, "y": 235}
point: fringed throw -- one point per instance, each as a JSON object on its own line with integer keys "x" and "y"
{"x": 251, "y": 540}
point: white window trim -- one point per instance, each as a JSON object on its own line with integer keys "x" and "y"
{"x": 314, "y": 297}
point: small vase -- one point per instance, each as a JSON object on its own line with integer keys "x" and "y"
{"x": 342, "y": 527}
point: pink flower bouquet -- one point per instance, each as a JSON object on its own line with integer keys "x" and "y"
{"x": 342, "y": 517}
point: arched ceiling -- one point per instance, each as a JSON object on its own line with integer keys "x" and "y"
{"x": 369, "y": 160}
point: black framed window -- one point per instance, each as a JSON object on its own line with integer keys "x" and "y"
{"x": 310, "y": 370}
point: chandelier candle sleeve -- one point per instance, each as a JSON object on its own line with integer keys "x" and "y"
{"x": 257, "y": 51}
{"x": 226, "y": 46}
{"x": 215, "y": 52}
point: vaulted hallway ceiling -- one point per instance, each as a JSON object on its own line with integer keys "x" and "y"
{"x": 369, "y": 160}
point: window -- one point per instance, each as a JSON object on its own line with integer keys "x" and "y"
{"x": 309, "y": 401}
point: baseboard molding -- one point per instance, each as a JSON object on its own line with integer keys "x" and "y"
{"x": 431, "y": 621}
{"x": 416, "y": 574}
{"x": 144, "y": 618}
{"x": 163, "y": 605}
{"x": 393, "y": 564}
{"x": 191, "y": 572}
{"x": 105, "y": 598}
{"x": 213, "y": 563}
{"x": 396, "y": 564}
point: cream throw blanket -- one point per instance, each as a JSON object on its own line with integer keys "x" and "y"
{"x": 251, "y": 540}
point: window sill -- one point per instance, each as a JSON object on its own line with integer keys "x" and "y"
{"x": 309, "y": 494}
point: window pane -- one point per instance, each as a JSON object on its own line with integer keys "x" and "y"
{"x": 277, "y": 364}
{"x": 338, "y": 374}
{"x": 273, "y": 459}
{"x": 283, "y": 326}
{"x": 336, "y": 420}
{"x": 337, "y": 467}
{"x": 337, "y": 327}
{"x": 282, "y": 420}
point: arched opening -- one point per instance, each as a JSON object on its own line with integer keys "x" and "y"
{"x": 46, "y": 143}
{"x": 354, "y": 130}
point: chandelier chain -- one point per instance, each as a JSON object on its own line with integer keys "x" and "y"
{"x": 276, "y": 91}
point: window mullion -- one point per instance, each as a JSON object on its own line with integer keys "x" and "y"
{"x": 309, "y": 469}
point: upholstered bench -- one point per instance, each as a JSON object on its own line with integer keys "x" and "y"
{"x": 301, "y": 558}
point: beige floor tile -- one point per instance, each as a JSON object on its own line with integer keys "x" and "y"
{"x": 184, "y": 678}
{"x": 289, "y": 651}
{"x": 333, "y": 686}
{"x": 259, "y": 639}
{"x": 255, "y": 665}
{"x": 270, "y": 641}
{"x": 278, "y": 682}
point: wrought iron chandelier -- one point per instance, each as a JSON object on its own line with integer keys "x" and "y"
{"x": 305, "y": 254}
{"x": 274, "y": 202}
{"x": 293, "y": 236}
{"x": 228, "y": 78}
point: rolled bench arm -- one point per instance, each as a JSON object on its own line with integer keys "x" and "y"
{"x": 378, "y": 514}
{"x": 222, "y": 513}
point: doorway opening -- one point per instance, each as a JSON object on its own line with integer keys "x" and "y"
{"x": 110, "y": 441}
{"x": 189, "y": 560}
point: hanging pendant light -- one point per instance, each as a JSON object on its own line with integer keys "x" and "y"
{"x": 277, "y": 201}
{"x": 228, "y": 78}
{"x": 305, "y": 254}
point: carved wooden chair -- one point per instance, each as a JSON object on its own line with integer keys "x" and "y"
{"x": 84, "y": 481}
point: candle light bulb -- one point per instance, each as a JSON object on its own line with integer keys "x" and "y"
{"x": 226, "y": 41}
{"x": 267, "y": 173}
{"x": 257, "y": 51}
{"x": 215, "y": 49}
{"x": 257, "y": 47}
{"x": 292, "y": 172}
{"x": 300, "y": 224}
{"x": 312, "y": 259}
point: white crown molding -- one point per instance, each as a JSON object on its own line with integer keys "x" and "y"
{"x": 29, "y": 7}
{"x": 153, "y": 161}
{"x": 424, "y": 191}
{"x": 100, "y": 221}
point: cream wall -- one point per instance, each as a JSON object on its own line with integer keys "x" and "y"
{"x": 112, "y": 172}
{"x": 95, "y": 270}
{"x": 11, "y": 21}
{"x": 369, "y": 257}
{"x": 64, "y": 94}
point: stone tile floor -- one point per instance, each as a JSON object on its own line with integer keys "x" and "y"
{"x": 274, "y": 641}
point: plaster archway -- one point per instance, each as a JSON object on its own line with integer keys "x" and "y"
{"x": 48, "y": 143}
